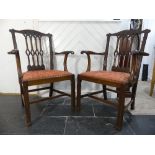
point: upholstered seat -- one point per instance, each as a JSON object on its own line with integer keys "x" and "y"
{"x": 111, "y": 77}
{"x": 44, "y": 74}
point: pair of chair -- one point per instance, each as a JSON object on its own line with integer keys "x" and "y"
{"x": 123, "y": 75}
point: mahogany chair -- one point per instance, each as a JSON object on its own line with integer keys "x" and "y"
{"x": 123, "y": 75}
{"x": 37, "y": 73}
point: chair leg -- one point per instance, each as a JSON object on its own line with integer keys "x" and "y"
{"x": 133, "y": 96}
{"x": 73, "y": 93}
{"x": 120, "y": 114}
{"x": 27, "y": 105}
{"x": 51, "y": 90}
{"x": 21, "y": 95}
{"x": 78, "y": 93}
{"x": 104, "y": 92}
{"x": 117, "y": 93}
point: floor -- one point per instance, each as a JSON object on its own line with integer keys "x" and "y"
{"x": 55, "y": 118}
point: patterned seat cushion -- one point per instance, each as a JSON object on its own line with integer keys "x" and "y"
{"x": 44, "y": 74}
{"x": 108, "y": 77}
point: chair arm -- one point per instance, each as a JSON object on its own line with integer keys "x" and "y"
{"x": 14, "y": 51}
{"x": 138, "y": 53}
{"x": 19, "y": 70}
{"x": 65, "y": 57}
{"x": 136, "y": 63}
{"x": 64, "y": 52}
{"x": 88, "y": 53}
{"x": 92, "y": 53}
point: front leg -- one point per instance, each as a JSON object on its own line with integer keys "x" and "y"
{"x": 27, "y": 105}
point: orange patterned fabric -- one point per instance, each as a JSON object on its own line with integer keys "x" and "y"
{"x": 107, "y": 76}
{"x": 44, "y": 74}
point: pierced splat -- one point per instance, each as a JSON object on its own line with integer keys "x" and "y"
{"x": 34, "y": 52}
{"x": 34, "y": 48}
{"x": 122, "y": 54}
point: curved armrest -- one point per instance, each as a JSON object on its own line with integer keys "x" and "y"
{"x": 14, "y": 51}
{"x": 88, "y": 53}
{"x": 65, "y": 57}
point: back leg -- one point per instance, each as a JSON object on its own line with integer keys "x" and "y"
{"x": 51, "y": 90}
{"x": 134, "y": 88}
{"x": 78, "y": 93}
{"x": 104, "y": 92}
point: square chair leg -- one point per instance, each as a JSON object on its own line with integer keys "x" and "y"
{"x": 121, "y": 102}
{"x": 73, "y": 93}
{"x": 78, "y": 93}
{"x": 27, "y": 105}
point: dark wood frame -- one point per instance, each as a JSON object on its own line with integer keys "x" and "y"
{"x": 32, "y": 34}
{"x": 124, "y": 90}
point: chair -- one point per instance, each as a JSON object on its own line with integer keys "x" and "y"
{"x": 37, "y": 73}
{"x": 123, "y": 75}
{"x": 153, "y": 80}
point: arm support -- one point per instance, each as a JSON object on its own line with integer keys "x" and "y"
{"x": 136, "y": 63}
{"x": 65, "y": 53}
{"x": 15, "y": 51}
{"x": 88, "y": 53}
{"x": 19, "y": 70}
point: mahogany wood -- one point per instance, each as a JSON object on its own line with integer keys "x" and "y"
{"x": 127, "y": 58}
{"x": 35, "y": 57}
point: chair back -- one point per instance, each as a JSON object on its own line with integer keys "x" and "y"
{"x": 127, "y": 43}
{"x": 34, "y": 48}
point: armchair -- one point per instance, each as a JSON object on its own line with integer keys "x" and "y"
{"x": 37, "y": 73}
{"x": 123, "y": 75}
